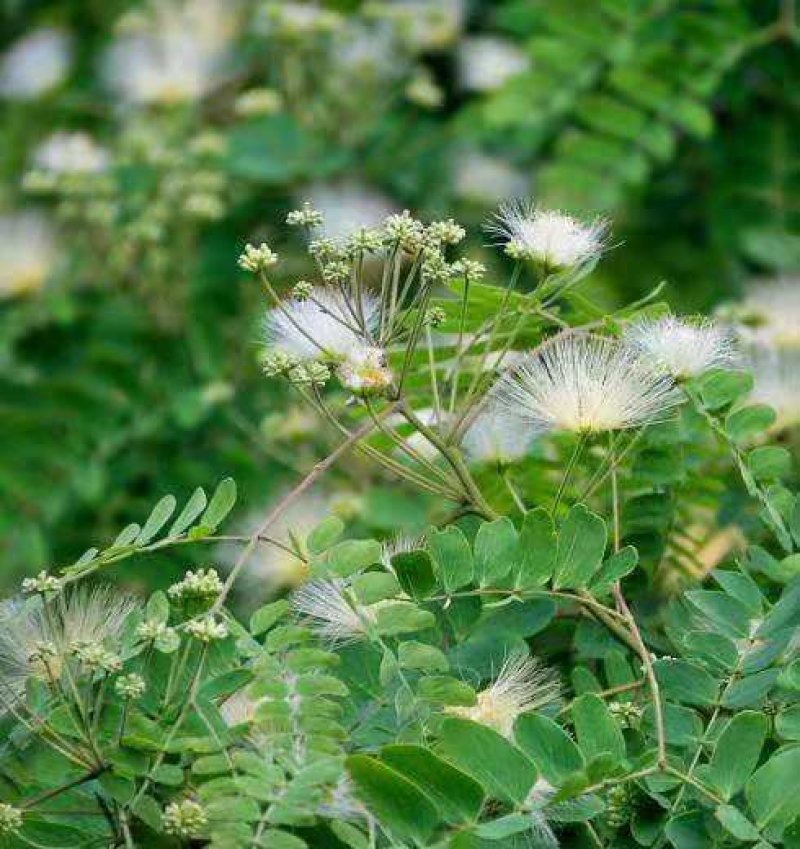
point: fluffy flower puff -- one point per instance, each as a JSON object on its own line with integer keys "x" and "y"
{"x": 71, "y": 153}
{"x": 35, "y": 645}
{"x": 586, "y": 385}
{"x": 177, "y": 56}
{"x": 682, "y": 348}
{"x": 497, "y": 436}
{"x": 329, "y": 612}
{"x": 486, "y": 62}
{"x": 35, "y": 64}
{"x": 27, "y": 253}
{"x": 324, "y": 325}
{"x": 364, "y": 371}
{"x": 553, "y": 239}
{"x": 522, "y": 685}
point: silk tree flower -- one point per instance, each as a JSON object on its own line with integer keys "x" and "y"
{"x": 770, "y": 314}
{"x": 36, "y": 645}
{"x": 585, "y": 384}
{"x": 485, "y": 63}
{"x": 330, "y": 613}
{"x": 776, "y": 382}
{"x": 523, "y": 684}
{"x": 682, "y": 348}
{"x": 324, "y": 325}
{"x": 364, "y": 370}
{"x": 497, "y": 436}
{"x": 348, "y": 206}
{"x": 71, "y": 153}
{"x": 483, "y": 179}
{"x": 35, "y": 64}
{"x": 175, "y": 55}
{"x": 27, "y": 253}
{"x": 553, "y": 239}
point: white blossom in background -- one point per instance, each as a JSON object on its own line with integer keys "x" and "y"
{"x": 523, "y": 684}
{"x": 364, "y": 370}
{"x": 330, "y": 613}
{"x": 238, "y": 709}
{"x": 484, "y": 179}
{"x": 770, "y": 313}
{"x": 289, "y": 18}
{"x": 325, "y": 324}
{"x": 585, "y": 384}
{"x": 776, "y": 381}
{"x": 177, "y": 55}
{"x": 682, "y": 348}
{"x": 35, "y": 64}
{"x": 485, "y": 63}
{"x": 497, "y": 436}
{"x": 71, "y": 153}
{"x": 27, "y": 252}
{"x": 553, "y": 239}
{"x": 348, "y": 206}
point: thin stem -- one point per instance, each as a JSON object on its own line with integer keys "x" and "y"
{"x": 576, "y": 453}
{"x": 516, "y": 497}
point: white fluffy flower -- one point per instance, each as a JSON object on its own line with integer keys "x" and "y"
{"x": 555, "y": 240}
{"x": 71, "y": 153}
{"x": 348, "y": 206}
{"x": 523, "y": 684}
{"x": 485, "y": 179}
{"x": 33, "y": 644}
{"x": 486, "y": 62}
{"x": 35, "y": 64}
{"x": 364, "y": 370}
{"x": 178, "y": 55}
{"x": 776, "y": 376}
{"x": 325, "y": 324}
{"x": 683, "y": 348}
{"x": 496, "y": 436}
{"x": 27, "y": 252}
{"x": 772, "y": 313}
{"x": 330, "y": 614}
{"x": 587, "y": 385}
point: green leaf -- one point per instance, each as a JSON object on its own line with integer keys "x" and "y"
{"x": 747, "y": 422}
{"x": 595, "y": 728}
{"x": 373, "y": 587}
{"x": 503, "y": 827}
{"x": 458, "y": 797}
{"x": 221, "y": 504}
{"x": 686, "y": 682}
{"x": 736, "y": 823}
{"x": 325, "y": 534}
{"x": 616, "y": 567}
{"x": 402, "y": 617}
{"x": 350, "y": 556}
{"x": 500, "y": 768}
{"x": 191, "y": 510}
{"x": 402, "y": 808}
{"x": 157, "y": 519}
{"x": 719, "y": 388}
{"x": 126, "y": 536}
{"x": 452, "y": 557}
{"x": 157, "y": 608}
{"x": 772, "y": 790}
{"x": 495, "y": 551}
{"x": 415, "y": 573}
{"x": 737, "y": 751}
{"x": 265, "y": 617}
{"x": 414, "y": 655}
{"x": 445, "y": 690}
{"x": 550, "y": 747}
{"x": 278, "y": 839}
{"x": 537, "y": 549}
{"x": 581, "y": 547}
{"x": 769, "y": 463}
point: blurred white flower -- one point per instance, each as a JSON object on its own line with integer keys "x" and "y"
{"x": 238, "y": 708}
{"x": 485, "y": 179}
{"x": 683, "y": 348}
{"x": 427, "y": 24}
{"x": 27, "y": 252}
{"x": 486, "y": 62}
{"x": 585, "y": 384}
{"x": 523, "y": 684}
{"x": 555, "y": 240}
{"x": 178, "y": 54}
{"x": 330, "y": 613}
{"x": 364, "y": 370}
{"x": 35, "y": 64}
{"x": 776, "y": 381}
{"x": 71, "y": 153}
{"x": 348, "y": 206}
{"x": 325, "y": 324}
{"x": 497, "y": 436}
{"x": 771, "y": 313}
